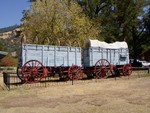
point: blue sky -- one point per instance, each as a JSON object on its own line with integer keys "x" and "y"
{"x": 11, "y": 12}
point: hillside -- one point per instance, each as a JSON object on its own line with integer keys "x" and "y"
{"x": 10, "y": 39}
{"x": 6, "y": 29}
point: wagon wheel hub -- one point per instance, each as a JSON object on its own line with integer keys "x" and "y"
{"x": 75, "y": 72}
{"x": 33, "y": 72}
{"x": 102, "y": 69}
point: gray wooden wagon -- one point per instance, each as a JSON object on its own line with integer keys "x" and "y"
{"x": 38, "y": 61}
{"x": 102, "y": 59}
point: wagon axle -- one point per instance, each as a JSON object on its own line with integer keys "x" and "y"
{"x": 33, "y": 71}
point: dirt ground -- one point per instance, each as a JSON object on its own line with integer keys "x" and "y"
{"x": 99, "y": 96}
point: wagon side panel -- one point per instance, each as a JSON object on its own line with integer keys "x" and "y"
{"x": 74, "y": 56}
{"x": 91, "y": 56}
{"x": 95, "y": 54}
{"x": 113, "y": 56}
{"x": 123, "y": 56}
{"x": 51, "y": 55}
{"x": 67, "y": 56}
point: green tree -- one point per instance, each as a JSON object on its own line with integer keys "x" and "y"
{"x": 55, "y": 21}
{"x": 117, "y": 20}
{"x": 114, "y": 17}
{"x": 145, "y": 36}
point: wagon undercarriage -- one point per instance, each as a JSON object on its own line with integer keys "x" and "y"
{"x": 33, "y": 71}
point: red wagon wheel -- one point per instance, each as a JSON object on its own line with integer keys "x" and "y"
{"x": 127, "y": 70}
{"x": 75, "y": 72}
{"x": 102, "y": 69}
{"x": 33, "y": 71}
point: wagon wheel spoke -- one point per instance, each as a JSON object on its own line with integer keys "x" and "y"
{"x": 32, "y": 71}
{"x": 26, "y": 72}
{"x": 101, "y": 73}
{"x": 98, "y": 74}
{"x": 102, "y": 68}
{"x": 98, "y": 70}
{"x": 74, "y": 72}
{"x": 78, "y": 73}
{"x": 127, "y": 70}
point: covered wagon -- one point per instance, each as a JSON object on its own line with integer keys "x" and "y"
{"x": 105, "y": 59}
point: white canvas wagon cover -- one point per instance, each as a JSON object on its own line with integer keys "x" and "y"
{"x": 102, "y": 44}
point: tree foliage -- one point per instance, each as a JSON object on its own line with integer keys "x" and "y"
{"x": 118, "y": 21}
{"x": 114, "y": 17}
{"x": 146, "y": 34}
{"x": 10, "y": 44}
{"x": 58, "y": 22}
